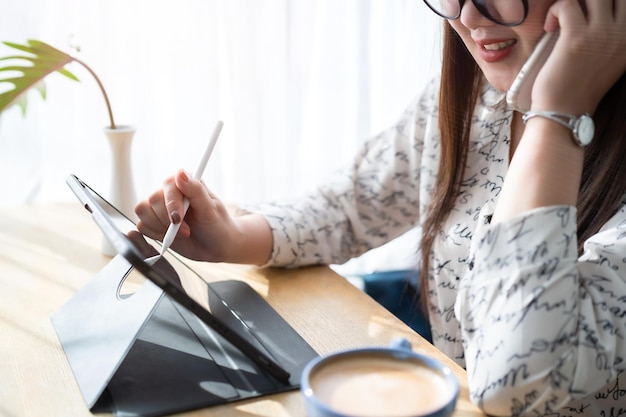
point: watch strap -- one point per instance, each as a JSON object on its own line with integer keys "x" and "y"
{"x": 569, "y": 121}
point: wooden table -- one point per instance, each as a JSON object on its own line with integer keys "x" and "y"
{"x": 48, "y": 252}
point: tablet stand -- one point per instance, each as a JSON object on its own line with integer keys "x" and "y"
{"x": 145, "y": 355}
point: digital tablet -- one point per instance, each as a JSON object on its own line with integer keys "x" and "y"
{"x": 182, "y": 284}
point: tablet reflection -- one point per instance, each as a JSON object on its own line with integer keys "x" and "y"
{"x": 184, "y": 278}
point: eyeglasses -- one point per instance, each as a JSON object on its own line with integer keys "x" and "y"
{"x": 502, "y": 12}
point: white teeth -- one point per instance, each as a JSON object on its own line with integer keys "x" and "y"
{"x": 499, "y": 45}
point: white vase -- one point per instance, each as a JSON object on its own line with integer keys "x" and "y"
{"x": 122, "y": 192}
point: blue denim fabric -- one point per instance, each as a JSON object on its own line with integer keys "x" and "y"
{"x": 398, "y": 292}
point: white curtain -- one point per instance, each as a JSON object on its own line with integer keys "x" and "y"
{"x": 299, "y": 85}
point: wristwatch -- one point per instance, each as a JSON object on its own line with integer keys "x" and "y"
{"x": 582, "y": 127}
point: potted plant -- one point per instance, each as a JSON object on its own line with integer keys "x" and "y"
{"x": 41, "y": 61}
{"x": 28, "y": 71}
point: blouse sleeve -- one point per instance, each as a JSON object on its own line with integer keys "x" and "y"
{"x": 541, "y": 326}
{"x": 367, "y": 204}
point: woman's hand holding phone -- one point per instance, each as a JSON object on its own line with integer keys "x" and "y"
{"x": 588, "y": 58}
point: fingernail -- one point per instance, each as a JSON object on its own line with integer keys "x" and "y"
{"x": 184, "y": 176}
{"x": 175, "y": 217}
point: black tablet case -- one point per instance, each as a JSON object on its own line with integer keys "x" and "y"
{"x": 148, "y": 356}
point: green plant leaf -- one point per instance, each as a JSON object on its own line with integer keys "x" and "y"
{"x": 21, "y": 101}
{"x": 42, "y": 60}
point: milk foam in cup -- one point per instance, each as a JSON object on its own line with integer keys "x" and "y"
{"x": 377, "y": 382}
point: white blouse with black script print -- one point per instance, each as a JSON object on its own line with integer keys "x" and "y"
{"x": 541, "y": 331}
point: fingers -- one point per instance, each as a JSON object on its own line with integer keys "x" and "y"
{"x": 606, "y": 34}
{"x": 620, "y": 8}
{"x": 155, "y": 214}
{"x": 590, "y": 55}
{"x": 140, "y": 243}
{"x": 173, "y": 197}
{"x": 166, "y": 205}
{"x": 602, "y": 10}
{"x": 153, "y": 218}
{"x": 606, "y": 16}
{"x": 182, "y": 186}
{"x": 195, "y": 191}
{"x": 568, "y": 16}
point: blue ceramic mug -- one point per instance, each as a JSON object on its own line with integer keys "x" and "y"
{"x": 371, "y": 382}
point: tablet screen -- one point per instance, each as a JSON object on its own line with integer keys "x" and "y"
{"x": 134, "y": 245}
{"x": 169, "y": 272}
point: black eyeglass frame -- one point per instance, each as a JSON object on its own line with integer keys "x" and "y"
{"x": 479, "y": 4}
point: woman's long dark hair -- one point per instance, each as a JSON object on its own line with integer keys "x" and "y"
{"x": 603, "y": 182}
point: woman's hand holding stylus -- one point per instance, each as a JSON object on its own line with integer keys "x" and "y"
{"x": 208, "y": 232}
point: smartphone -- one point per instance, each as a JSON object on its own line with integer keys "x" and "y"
{"x": 519, "y": 95}
{"x": 171, "y": 274}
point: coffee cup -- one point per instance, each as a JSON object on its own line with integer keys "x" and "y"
{"x": 389, "y": 381}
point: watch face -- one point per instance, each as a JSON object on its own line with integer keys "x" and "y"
{"x": 585, "y": 129}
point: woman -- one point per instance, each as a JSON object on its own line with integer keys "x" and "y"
{"x": 524, "y": 230}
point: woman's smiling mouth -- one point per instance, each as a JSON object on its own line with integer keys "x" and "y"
{"x": 495, "y": 50}
{"x": 499, "y": 45}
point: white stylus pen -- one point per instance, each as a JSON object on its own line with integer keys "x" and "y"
{"x": 172, "y": 230}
